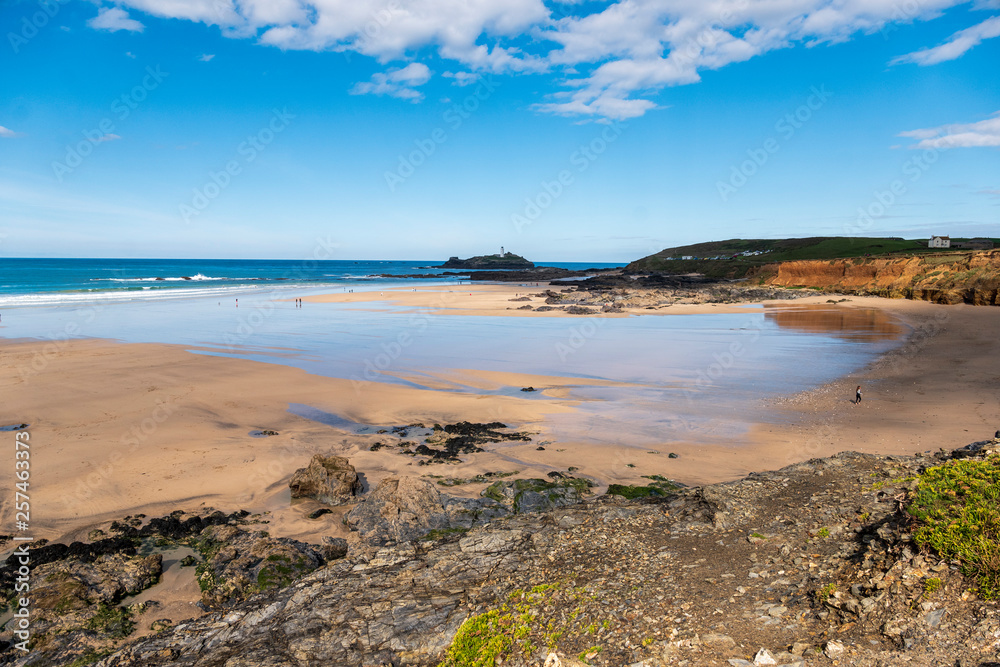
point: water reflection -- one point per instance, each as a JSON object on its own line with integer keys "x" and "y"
{"x": 853, "y": 324}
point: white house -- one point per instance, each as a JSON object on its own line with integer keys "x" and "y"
{"x": 939, "y": 242}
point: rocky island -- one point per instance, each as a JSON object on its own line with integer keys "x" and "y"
{"x": 502, "y": 260}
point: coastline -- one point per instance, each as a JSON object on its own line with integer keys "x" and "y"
{"x": 86, "y": 402}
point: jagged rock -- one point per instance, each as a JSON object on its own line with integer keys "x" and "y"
{"x": 833, "y": 649}
{"x": 328, "y": 479}
{"x": 403, "y": 509}
{"x": 764, "y": 657}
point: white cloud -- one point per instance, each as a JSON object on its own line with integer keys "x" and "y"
{"x": 960, "y": 135}
{"x": 399, "y": 83}
{"x": 8, "y": 134}
{"x": 616, "y": 54}
{"x": 462, "y": 78}
{"x": 206, "y": 57}
{"x": 114, "y": 19}
{"x": 956, "y": 46}
{"x": 130, "y": 54}
{"x": 106, "y": 137}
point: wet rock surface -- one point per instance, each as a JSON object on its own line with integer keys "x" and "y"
{"x": 444, "y": 444}
{"x": 615, "y": 293}
{"x": 809, "y": 565}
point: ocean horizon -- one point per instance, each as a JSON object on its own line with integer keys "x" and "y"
{"x": 55, "y": 281}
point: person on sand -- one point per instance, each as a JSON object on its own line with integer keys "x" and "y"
{"x": 857, "y": 395}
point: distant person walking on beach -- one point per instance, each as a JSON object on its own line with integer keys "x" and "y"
{"x": 857, "y": 395}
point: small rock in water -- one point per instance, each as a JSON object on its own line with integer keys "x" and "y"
{"x": 527, "y": 389}
{"x": 673, "y": 455}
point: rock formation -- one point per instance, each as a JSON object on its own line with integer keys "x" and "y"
{"x": 328, "y": 479}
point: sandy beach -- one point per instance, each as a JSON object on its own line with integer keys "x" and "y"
{"x": 119, "y": 429}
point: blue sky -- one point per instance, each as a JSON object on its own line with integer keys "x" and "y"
{"x": 589, "y": 131}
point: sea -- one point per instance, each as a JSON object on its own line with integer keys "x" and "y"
{"x": 25, "y": 281}
{"x": 664, "y": 377}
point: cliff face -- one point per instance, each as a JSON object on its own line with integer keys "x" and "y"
{"x": 972, "y": 278}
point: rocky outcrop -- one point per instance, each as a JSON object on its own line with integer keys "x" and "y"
{"x": 239, "y": 563}
{"x": 404, "y": 509}
{"x": 328, "y": 479}
{"x": 800, "y": 566}
{"x": 506, "y": 261}
{"x": 538, "y": 495}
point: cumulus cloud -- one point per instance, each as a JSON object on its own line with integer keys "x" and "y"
{"x": 960, "y": 135}
{"x": 399, "y": 83}
{"x": 956, "y": 46}
{"x": 8, "y": 134}
{"x": 114, "y": 19}
{"x": 614, "y": 55}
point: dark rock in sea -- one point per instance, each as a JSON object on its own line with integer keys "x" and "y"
{"x": 465, "y": 438}
{"x": 328, "y": 479}
{"x": 377, "y": 446}
{"x": 527, "y": 389}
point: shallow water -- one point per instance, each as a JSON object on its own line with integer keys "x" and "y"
{"x": 674, "y": 377}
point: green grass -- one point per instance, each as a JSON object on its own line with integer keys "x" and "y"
{"x": 777, "y": 250}
{"x": 480, "y": 641}
{"x": 509, "y": 630}
{"x": 957, "y": 510}
{"x": 825, "y": 592}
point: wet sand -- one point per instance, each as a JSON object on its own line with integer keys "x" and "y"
{"x": 118, "y": 429}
